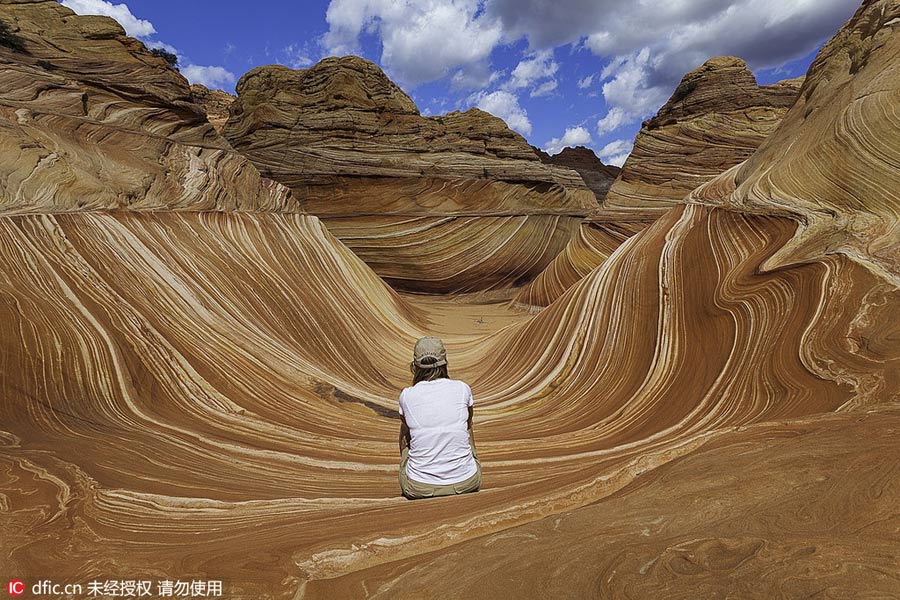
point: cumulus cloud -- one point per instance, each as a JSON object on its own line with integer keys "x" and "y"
{"x": 551, "y": 23}
{"x": 505, "y": 105}
{"x": 629, "y": 93}
{"x": 763, "y": 32}
{"x": 532, "y": 69}
{"x": 652, "y": 44}
{"x": 616, "y": 153}
{"x": 210, "y": 76}
{"x": 120, "y": 12}
{"x": 574, "y": 136}
{"x": 422, "y": 40}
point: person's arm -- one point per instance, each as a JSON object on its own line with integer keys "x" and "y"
{"x": 469, "y": 426}
{"x": 404, "y": 434}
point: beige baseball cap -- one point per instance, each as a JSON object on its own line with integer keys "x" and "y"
{"x": 429, "y": 347}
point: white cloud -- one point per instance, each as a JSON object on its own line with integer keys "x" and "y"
{"x": 474, "y": 77}
{"x": 629, "y": 94}
{"x": 544, "y": 89}
{"x": 574, "y": 136}
{"x": 615, "y": 153}
{"x": 426, "y": 40}
{"x": 164, "y": 46}
{"x": 615, "y": 117}
{"x": 422, "y": 40}
{"x": 211, "y": 77}
{"x": 120, "y": 12}
{"x": 651, "y": 45}
{"x": 537, "y": 66}
{"x": 505, "y": 105}
{"x": 296, "y": 56}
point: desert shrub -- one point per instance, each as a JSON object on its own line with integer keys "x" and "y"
{"x": 166, "y": 56}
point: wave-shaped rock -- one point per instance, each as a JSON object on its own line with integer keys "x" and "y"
{"x": 353, "y": 146}
{"x": 748, "y": 514}
{"x": 716, "y": 118}
{"x": 216, "y": 382}
{"x": 834, "y": 162}
{"x": 92, "y": 120}
{"x": 595, "y": 241}
{"x": 212, "y": 395}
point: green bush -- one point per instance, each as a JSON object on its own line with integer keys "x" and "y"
{"x": 166, "y": 56}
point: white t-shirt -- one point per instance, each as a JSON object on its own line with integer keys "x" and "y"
{"x": 437, "y": 414}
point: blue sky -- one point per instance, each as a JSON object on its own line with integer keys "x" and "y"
{"x": 561, "y": 72}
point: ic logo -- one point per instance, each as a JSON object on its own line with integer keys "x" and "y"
{"x": 16, "y": 587}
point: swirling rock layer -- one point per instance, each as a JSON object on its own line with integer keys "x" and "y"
{"x": 480, "y": 252}
{"x": 351, "y": 144}
{"x": 754, "y": 513}
{"x": 179, "y": 388}
{"x": 594, "y": 243}
{"x": 191, "y": 394}
{"x": 91, "y": 120}
{"x": 716, "y": 118}
{"x": 834, "y": 162}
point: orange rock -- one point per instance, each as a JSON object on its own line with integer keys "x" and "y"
{"x": 93, "y": 121}
{"x": 356, "y": 152}
{"x": 833, "y": 163}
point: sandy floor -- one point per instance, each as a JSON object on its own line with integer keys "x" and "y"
{"x": 466, "y": 315}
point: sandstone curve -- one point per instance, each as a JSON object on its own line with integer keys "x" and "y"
{"x": 190, "y": 391}
{"x": 355, "y": 151}
{"x": 833, "y": 164}
{"x": 715, "y": 119}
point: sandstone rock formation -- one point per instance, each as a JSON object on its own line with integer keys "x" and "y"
{"x": 592, "y": 245}
{"x": 226, "y": 381}
{"x": 715, "y": 119}
{"x": 715, "y": 523}
{"x": 596, "y": 175}
{"x": 215, "y": 102}
{"x": 357, "y": 153}
{"x": 212, "y": 394}
{"x": 834, "y": 162}
{"x": 92, "y": 120}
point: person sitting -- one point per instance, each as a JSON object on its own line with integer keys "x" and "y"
{"x": 437, "y": 444}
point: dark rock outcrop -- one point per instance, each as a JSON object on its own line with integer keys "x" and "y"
{"x": 215, "y": 102}
{"x": 597, "y": 176}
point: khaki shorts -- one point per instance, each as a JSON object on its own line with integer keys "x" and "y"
{"x": 413, "y": 489}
